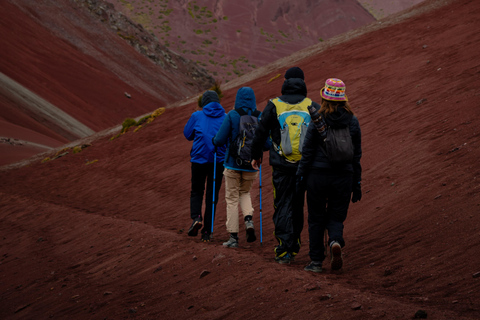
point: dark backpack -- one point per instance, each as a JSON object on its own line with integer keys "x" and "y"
{"x": 241, "y": 145}
{"x": 338, "y": 145}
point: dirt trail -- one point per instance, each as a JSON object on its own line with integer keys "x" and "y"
{"x": 101, "y": 234}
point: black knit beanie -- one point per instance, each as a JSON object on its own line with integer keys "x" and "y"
{"x": 294, "y": 72}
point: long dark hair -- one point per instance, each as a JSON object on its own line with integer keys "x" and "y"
{"x": 332, "y": 106}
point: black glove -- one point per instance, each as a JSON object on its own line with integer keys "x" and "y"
{"x": 356, "y": 192}
{"x": 300, "y": 185}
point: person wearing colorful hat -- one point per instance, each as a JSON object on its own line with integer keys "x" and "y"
{"x": 330, "y": 186}
{"x": 288, "y": 199}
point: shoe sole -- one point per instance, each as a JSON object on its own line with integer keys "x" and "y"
{"x": 194, "y": 230}
{"x": 251, "y": 237}
{"x": 231, "y": 246}
{"x": 317, "y": 270}
{"x": 337, "y": 260}
{"x": 282, "y": 260}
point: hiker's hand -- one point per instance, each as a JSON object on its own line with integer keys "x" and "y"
{"x": 356, "y": 192}
{"x": 256, "y": 163}
{"x": 214, "y": 146}
{"x": 300, "y": 185}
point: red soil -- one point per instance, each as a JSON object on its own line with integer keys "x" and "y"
{"x": 106, "y": 240}
{"x": 246, "y": 34}
{"x": 381, "y": 8}
{"x": 59, "y": 52}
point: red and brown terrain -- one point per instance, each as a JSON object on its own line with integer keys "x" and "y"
{"x": 381, "y": 8}
{"x": 72, "y": 68}
{"x": 101, "y": 234}
{"x": 232, "y": 38}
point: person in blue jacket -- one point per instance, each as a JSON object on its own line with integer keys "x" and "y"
{"x": 238, "y": 177}
{"x": 201, "y": 128}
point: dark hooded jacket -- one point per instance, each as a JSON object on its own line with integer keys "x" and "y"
{"x": 245, "y": 100}
{"x": 202, "y": 127}
{"x": 294, "y": 90}
{"x": 313, "y": 156}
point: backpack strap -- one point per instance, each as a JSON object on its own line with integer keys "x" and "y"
{"x": 242, "y": 112}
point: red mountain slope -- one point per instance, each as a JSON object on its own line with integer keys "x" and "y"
{"x": 87, "y": 239}
{"x": 232, "y": 38}
{"x": 64, "y": 54}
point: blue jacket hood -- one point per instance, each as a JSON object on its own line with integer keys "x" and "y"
{"x": 214, "y": 110}
{"x": 245, "y": 99}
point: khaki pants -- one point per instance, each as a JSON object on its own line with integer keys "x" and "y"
{"x": 237, "y": 191}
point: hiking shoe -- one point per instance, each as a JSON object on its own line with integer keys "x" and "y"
{"x": 251, "y": 237}
{"x": 314, "y": 266}
{"x": 205, "y": 237}
{"x": 336, "y": 256}
{"x": 193, "y": 231}
{"x": 231, "y": 243}
{"x": 284, "y": 258}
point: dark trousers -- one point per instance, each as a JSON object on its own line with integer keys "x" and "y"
{"x": 328, "y": 198}
{"x": 288, "y": 216}
{"x": 201, "y": 173}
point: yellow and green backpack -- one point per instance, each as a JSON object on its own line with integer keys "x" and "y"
{"x": 294, "y": 120}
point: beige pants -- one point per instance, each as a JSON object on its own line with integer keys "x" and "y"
{"x": 237, "y": 191}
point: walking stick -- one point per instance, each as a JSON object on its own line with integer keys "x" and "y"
{"x": 261, "y": 240}
{"x": 214, "y": 178}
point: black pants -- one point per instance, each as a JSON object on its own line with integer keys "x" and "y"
{"x": 201, "y": 173}
{"x": 288, "y": 216}
{"x": 328, "y": 198}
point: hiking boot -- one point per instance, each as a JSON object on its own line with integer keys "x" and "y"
{"x": 284, "y": 258}
{"x": 196, "y": 225}
{"x": 231, "y": 243}
{"x": 314, "y": 266}
{"x": 251, "y": 237}
{"x": 336, "y": 256}
{"x": 205, "y": 237}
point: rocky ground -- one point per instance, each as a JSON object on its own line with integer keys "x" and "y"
{"x": 101, "y": 234}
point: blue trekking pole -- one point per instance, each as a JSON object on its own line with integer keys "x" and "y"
{"x": 260, "y": 167}
{"x": 214, "y": 178}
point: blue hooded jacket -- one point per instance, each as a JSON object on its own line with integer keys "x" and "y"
{"x": 202, "y": 127}
{"x": 245, "y": 99}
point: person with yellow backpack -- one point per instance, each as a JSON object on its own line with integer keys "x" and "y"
{"x": 285, "y": 120}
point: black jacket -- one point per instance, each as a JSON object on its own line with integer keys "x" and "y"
{"x": 294, "y": 91}
{"x": 313, "y": 156}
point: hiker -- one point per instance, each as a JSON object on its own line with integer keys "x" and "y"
{"x": 330, "y": 185}
{"x": 285, "y": 152}
{"x": 201, "y": 128}
{"x": 239, "y": 174}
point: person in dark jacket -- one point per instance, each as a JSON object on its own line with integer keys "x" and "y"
{"x": 201, "y": 128}
{"x": 330, "y": 186}
{"x": 239, "y": 177}
{"x": 288, "y": 200}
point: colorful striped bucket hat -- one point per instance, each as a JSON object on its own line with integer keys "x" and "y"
{"x": 334, "y": 90}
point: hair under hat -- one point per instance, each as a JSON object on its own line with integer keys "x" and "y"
{"x": 294, "y": 72}
{"x": 334, "y": 90}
